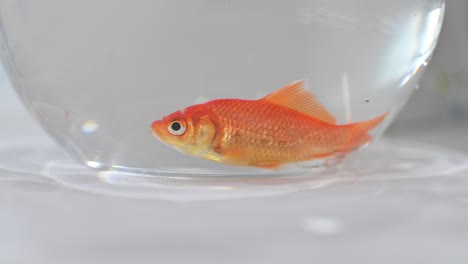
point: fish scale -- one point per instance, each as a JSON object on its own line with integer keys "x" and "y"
{"x": 246, "y": 129}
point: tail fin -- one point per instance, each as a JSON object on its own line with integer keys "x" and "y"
{"x": 359, "y": 132}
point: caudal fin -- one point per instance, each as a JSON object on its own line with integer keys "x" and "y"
{"x": 359, "y": 132}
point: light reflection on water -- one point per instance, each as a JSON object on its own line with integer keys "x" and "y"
{"x": 90, "y": 126}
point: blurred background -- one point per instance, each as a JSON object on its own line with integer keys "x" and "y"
{"x": 438, "y": 111}
{"x": 407, "y": 220}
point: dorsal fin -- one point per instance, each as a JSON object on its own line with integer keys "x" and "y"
{"x": 296, "y": 97}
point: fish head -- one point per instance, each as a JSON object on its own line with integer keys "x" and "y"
{"x": 190, "y": 131}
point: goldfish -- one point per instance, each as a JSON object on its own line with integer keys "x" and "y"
{"x": 286, "y": 126}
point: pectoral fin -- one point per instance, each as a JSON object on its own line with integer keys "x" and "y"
{"x": 233, "y": 156}
{"x": 269, "y": 165}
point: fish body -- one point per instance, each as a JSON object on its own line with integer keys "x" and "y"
{"x": 287, "y": 126}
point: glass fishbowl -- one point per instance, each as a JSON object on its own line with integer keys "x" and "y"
{"x": 97, "y": 74}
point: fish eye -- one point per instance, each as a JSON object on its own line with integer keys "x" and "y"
{"x": 177, "y": 127}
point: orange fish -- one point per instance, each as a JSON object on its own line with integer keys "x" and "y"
{"x": 289, "y": 125}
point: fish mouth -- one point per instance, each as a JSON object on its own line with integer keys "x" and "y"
{"x": 156, "y": 128}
